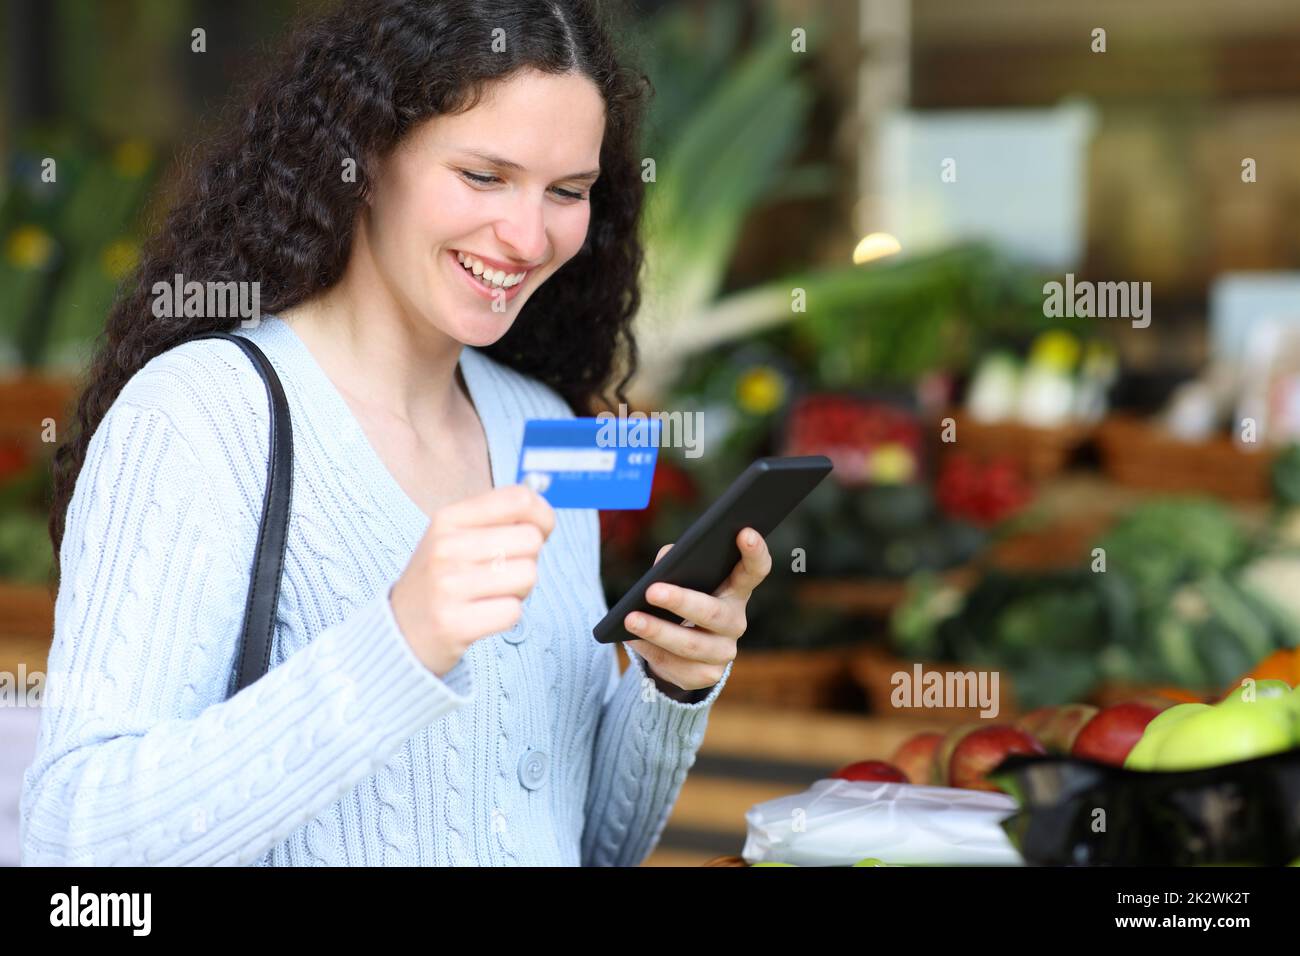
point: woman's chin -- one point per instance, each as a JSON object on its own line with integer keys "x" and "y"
{"x": 481, "y": 329}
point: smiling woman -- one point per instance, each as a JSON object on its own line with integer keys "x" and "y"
{"x": 438, "y": 201}
{"x": 446, "y": 238}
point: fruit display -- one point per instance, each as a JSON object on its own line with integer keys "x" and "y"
{"x": 1204, "y": 783}
{"x": 1063, "y": 725}
{"x": 868, "y": 441}
{"x": 1112, "y": 733}
{"x": 964, "y": 756}
{"x": 983, "y": 492}
{"x": 983, "y": 749}
{"x": 1049, "y": 771}
{"x": 871, "y": 770}
{"x": 1254, "y": 720}
{"x": 915, "y": 756}
{"x": 1175, "y": 593}
{"x": 1210, "y": 782}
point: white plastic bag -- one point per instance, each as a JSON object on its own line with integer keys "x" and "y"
{"x": 839, "y": 822}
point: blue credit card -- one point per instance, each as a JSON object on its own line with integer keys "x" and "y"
{"x": 607, "y": 464}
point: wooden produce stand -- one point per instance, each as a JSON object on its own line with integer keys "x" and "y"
{"x": 1140, "y": 454}
{"x": 27, "y": 402}
{"x": 1042, "y": 452}
{"x": 28, "y": 399}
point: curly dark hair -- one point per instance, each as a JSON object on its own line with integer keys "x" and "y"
{"x": 266, "y": 202}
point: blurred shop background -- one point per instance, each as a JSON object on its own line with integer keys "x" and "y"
{"x": 849, "y": 249}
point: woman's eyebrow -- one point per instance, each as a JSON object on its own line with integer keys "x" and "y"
{"x": 510, "y": 164}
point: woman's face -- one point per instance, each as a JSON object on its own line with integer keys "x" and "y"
{"x": 449, "y": 194}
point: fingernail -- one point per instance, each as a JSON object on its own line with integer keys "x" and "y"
{"x": 751, "y": 538}
{"x": 633, "y": 623}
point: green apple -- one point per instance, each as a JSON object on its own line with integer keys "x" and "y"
{"x": 1293, "y": 702}
{"x": 1274, "y": 697}
{"x": 1259, "y": 690}
{"x": 1173, "y": 715}
{"x": 1222, "y": 735}
{"x": 1142, "y": 756}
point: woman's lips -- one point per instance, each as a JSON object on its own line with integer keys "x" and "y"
{"x": 486, "y": 292}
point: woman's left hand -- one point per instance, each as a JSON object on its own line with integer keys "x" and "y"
{"x": 695, "y": 654}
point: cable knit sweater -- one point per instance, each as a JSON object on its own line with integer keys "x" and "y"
{"x": 532, "y": 750}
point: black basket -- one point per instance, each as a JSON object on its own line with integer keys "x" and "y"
{"x": 1083, "y": 813}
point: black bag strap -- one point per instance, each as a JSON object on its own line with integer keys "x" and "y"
{"x": 268, "y": 560}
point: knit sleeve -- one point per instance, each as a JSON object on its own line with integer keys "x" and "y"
{"x": 645, "y": 744}
{"x": 139, "y": 758}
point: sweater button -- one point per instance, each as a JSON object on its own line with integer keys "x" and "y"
{"x": 516, "y": 633}
{"x": 532, "y": 769}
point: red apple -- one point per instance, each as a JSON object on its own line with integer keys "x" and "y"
{"x": 981, "y": 750}
{"x": 1111, "y": 734}
{"x": 943, "y": 752}
{"x": 1155, "y": 701}
{"x": 876, "y": 770}
{"x": 915, "y": 757}
{"x": 1058, "y": 734}
{"x": 1033, "y": 722}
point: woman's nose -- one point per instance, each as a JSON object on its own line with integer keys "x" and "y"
{"x": 524, "y": 228}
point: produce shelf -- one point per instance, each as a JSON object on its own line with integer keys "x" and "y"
{"x": 1141, "y": 454}
{"x": 26, "y": 625}
{"x": 1041, "y": 452}
{"x": 1069, "y": 513}
{"x": 28, "y": 399}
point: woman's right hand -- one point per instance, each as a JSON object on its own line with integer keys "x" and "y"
{"x": 470, "y": 573}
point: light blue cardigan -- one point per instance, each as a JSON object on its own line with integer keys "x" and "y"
{"x": 533, "y": 750}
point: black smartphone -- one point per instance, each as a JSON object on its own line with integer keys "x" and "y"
{"x": 703, "y": 558}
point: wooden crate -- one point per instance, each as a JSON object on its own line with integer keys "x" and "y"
{"x": 1040, "y": 452}
{"x": 793, "y": 679}
{"x": 28, "y": 399}
{"x": 1141, "y": 454}
{"x": 26, "y": 626}
{"x": 785, "y": 679}
{"x": 874, "y": 667}
{"x": 871, "y": 596}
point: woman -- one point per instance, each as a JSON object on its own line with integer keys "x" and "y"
{"x": 438, "y": 202}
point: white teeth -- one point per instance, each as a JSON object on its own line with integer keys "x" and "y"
{"x": 493, "y": 277}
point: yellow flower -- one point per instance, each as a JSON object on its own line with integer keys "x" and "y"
{"x": 119, "y": 258}
{"x": 29, "y": 247}
{"x": 131, "y": 158}
{"x": 760, "y": 390}
{"x": 1057, "y": 350}
{"x": 891, "y": 464}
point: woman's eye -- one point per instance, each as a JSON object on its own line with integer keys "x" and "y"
{"x": 485, "y": 180}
